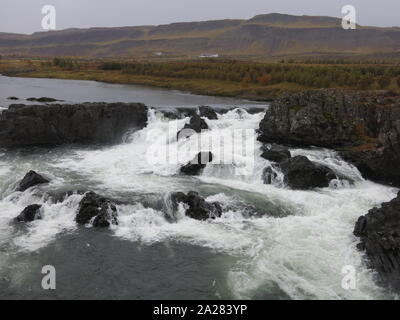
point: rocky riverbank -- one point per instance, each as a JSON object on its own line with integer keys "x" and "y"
{"x": 379, "y": 233}
{"x": 363, "y": 127}
{"x": 50, "y": 125}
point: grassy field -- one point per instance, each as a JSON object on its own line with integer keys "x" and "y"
{"x": 242, "y": 79}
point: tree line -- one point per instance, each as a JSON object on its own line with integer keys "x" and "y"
{"x": 318, "y": 76}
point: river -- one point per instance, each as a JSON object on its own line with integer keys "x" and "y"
{"x": 270, "y": 243}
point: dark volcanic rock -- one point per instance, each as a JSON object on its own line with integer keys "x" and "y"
{"x": 30, "y": 213}
{"x": 46, "y": 99}
{"x": 198, "y": 208}
{"x": 380, "y": 165}
{"x": 43, "y": 99}
{"x": 208, "y": 112}
{"x": 275, "y": 153}
{"x": 364, "y": 127}
{"x": 379, "y": 232}
{"x": 31, "y": 179}
{"x": 51, "y": 125}
{"x": 194, "y": 167}
{"x": 101, "y": 209}
{"x": 268, "y": 175}
{"x": 326, "y": 118}
{"x": 13, "y": 98}
{"x": 301, "y": 173}
{"x": 196, "y": 124}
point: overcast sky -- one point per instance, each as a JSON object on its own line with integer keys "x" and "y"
{"x": 24, "y": 16}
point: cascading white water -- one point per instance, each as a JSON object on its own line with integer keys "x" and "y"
{"x": 299, "y": 254}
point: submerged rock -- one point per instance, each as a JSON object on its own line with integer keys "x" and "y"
{"x": 208, "y": 112}
{"x": 196, "y": 124}
{"x": 363, "y": 126}
{"x": 52, "y": 125}
{"x": 31, "y": 179}
{"x": 95, "y": 206}
{"x": 197, "y": 207}
{"x": 275, "y": 153}
{"x": 30, "y": 213}
{"x": 199, "y": 162}
{"x": 301, "y": 173}
{"x": 43, "y": 99}
{"x": 379, "y": 232}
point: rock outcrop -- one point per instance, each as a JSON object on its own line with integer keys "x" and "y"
{"x": 379, "y": 232}
{"x": 93, "y": 206}
{"x": 51, "y": 125}
{"x": 197, "y": 207}
{"x": 31, "y": 179}
{"x": 196, "y": 166}
{"x": 301, "y": 173}
{"x": 364, "y": 127}
{"x": 30, "y": 213}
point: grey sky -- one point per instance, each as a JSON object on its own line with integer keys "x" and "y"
{"x": 24, "y": 16}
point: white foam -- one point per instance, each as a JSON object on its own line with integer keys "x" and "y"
{"x": 55, "y": 219}
{"x": 301, "y": 253}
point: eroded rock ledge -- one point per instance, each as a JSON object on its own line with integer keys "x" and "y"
{"x": 379, "y": 232}
{"x": 50, "y": 125}
{"x": 363, "y": 126}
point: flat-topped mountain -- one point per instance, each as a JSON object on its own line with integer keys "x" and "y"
{"x": 263, "y": 35}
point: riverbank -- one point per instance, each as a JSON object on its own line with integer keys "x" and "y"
{"x": 210, "y": 87}
{"x": 224, "y": 78}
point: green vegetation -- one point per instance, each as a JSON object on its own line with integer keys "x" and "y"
{"x": 65, "y": 63}
{"x": 251, "y": 80}
{"x": 315, "y": 76}
{"x": 111, "y": 66}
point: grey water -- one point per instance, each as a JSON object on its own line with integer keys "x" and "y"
{"x": 77, "y": 91}
{"x": 270, "y": 243}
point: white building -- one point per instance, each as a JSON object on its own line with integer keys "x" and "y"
{"x": 209, "y": 55}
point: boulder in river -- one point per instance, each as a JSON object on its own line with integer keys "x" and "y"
{"x": 199, "y": 162}
{"x": 197, "y": 207}
{"x": 31, "y": 179}
{"x": 275, "y": 153}
{"x": 363, "y": 126}
{"x": 13, "y": 98}
{"x": 30, "y": 213}
{"x": 52, "y": 125}
{"x": 379, "y": 232}
{"x": 196, "y": 124}
{"x": 269, "y": 175}
{"x": 95, "y": 206}
{"x": 301, "y": 173}
{"x": 208, "y": 112}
